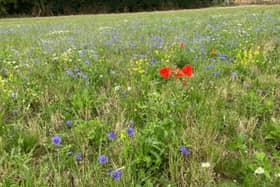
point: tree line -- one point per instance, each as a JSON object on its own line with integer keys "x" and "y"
{"x": 66, "y": 7}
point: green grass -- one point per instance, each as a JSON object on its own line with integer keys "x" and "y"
{"x": 102, "y": 73}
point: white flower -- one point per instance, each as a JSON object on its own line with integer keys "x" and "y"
{"x": 259, "y": 171}
{"x": 205, "y": 164}
{"x": 129, "y": 88}
{"x": 117, "y": 88}
{"x": 100, "y": 76}
{"x": 277, "y": 175}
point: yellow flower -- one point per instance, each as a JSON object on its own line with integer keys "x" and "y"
{"x": 123, "y": 136}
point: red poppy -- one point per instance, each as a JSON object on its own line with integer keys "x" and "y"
{"x": 165, "y": 72}
{"x": 184, "y": 81}
{"x": 182, "y": 44}
{"x": 187, "y": 70}
{"x": 179, "y": 73}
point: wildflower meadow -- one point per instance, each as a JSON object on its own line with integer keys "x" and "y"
{"x": 173, "y": 98}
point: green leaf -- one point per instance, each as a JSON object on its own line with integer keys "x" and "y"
{"x": 260, "y": 156}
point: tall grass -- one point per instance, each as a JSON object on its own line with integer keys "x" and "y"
{"x": 83, "y": 77}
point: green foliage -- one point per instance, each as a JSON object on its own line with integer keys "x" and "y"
{"x": 48, "y": 8}
{"x": 87, "y": 80}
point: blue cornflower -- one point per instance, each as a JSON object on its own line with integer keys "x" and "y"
{"x": 116, "y": 174}
{"x": 75, "y": 76}
{"x": 87, "y": 62}
{"x": 132, "y": 44}
{"x": 95, "y": 56}
{"x": 184, "y": 150}
{"x": 234, "y": 74}
{"x": 223, "y": 56}
{"x": 84, "y": 76}
{"x": 102, "y": 159}
{"x": 36, "y": 61}
{"x": 216, "y": 73}
{"x": 68, "y": 72}
{"x": 76, "y": 70}
{"x": 56, "y": 140}
{"x": 111, "y": 135}
{"x": 25, "y": 78}
{"x": 79, "y": 156}
{"x": 156, "y": 41}
{"x": 123, "y": 94}
{"x": 15, "y": 111}
{"x": 14, "y": 95}
{"x": 153, "y": 61}
{"x": 211, "y": 66}
{"x": 69, "y": 122}
{"x": 260, "y": 91}
{"x": 109, "y": 42}
{"x": 82, "y": 52}
{"x": 130, "y": 131}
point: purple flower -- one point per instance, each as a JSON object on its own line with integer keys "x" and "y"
{"x": 15, "y": 111}
{"x": 234, "y": 74}
{"x": 216, "y": 73}
{"x": 95, "y": 56}
{"x": 56, "y": 140}
{"x": 123, "y": 94}
{"x": 14, "y": 95}
{"x": 87, "y": 62}
{"x": 116, "y": 174}
{"x": 130, "y": 131}
{"x": 79, "y": 156}
{"x": 156, "y": 41}
{"x": 153, "y": 61}
{"x": 184, "y": 150}
{"x": 102, "y": 159}
{"x": 211, "y": 66}
{"x": 76, "y": 70}
{"x": 84, "y": 76}
{"x": 222, "y": 56}
{"x": 68, "y": 72}
{"x": 69, "y": 122}
{"x": 111, "y": 135}
{"x": 260, "y": 91}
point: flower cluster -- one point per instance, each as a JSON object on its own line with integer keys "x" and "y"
{"x": 102, "y": 159}
{"x": 167, "y": 72}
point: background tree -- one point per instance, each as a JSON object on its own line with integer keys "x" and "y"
{"x": 66, "y": 7}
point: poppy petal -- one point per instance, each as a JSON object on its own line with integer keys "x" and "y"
{"x": 165, "y": 72}
{"x": 179, "y": 73}
{"x": 187, "y": 70}
{"x": 182, "y": 44}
